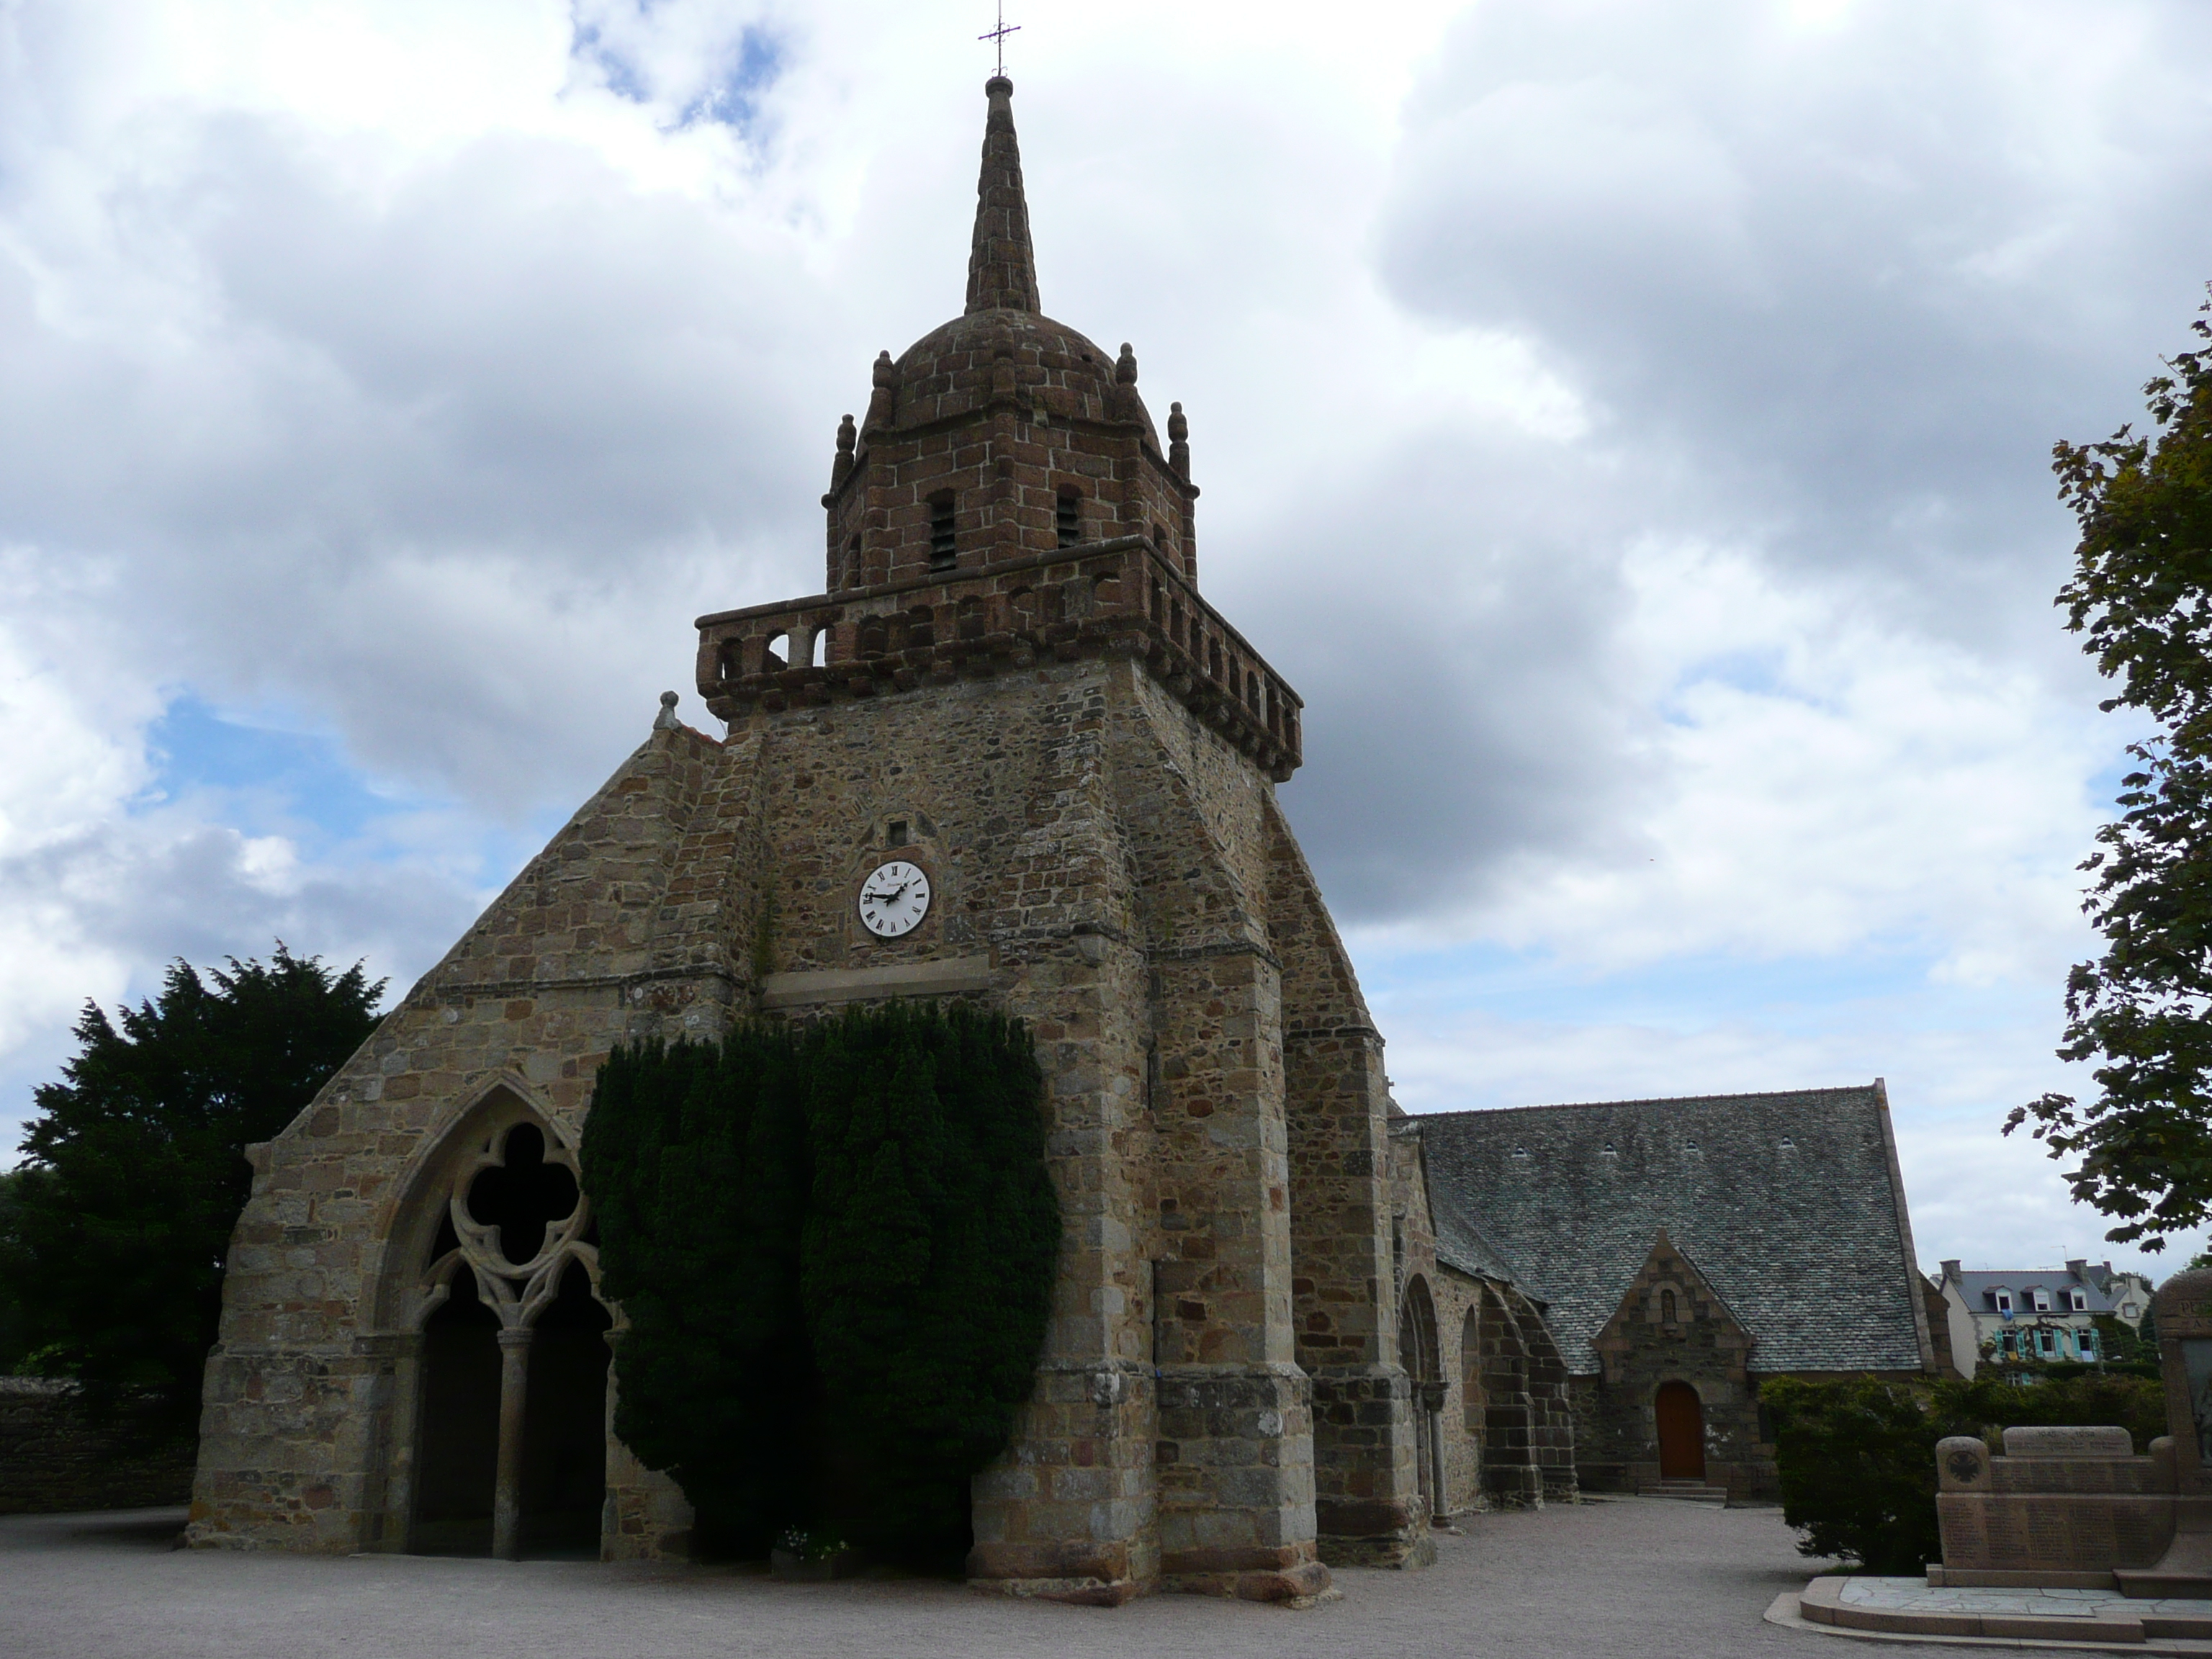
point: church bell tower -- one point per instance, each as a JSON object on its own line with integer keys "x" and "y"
{"x": 1008, "y": 753}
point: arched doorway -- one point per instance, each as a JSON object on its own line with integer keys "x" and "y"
{"x": 457, "y": 1450}
{"x": 1417, "y": 1351}
{"x": 564, "y": 1432}
{"x": 1681, "y": 1421}
{"x": 510, "y": 1436}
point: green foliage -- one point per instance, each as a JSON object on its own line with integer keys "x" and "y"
{"x": 135, "y": 1173}
{"x": 847, "y": 1232}
{"x": 2088, "y": 1398}
{"x": 2124, "y": 1345}
{"x": 2141, "y": 592}
{"x": 1858, "y": 1456}
{"x": 1858, "y": 1462}
{"x": 12, "y": 1342}
{"x": 695, "y": 1158}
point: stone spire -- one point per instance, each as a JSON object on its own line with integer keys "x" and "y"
{"x": 1002, "y": 269}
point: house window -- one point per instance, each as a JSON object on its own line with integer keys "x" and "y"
{"x": 2086, "y": 1342}
{"x": 2047, "y": 1343}
{"x": 2042, "y": 1300}
{"x": 2079, "y": 1300}
{"x": 943, "y": 553}
{"x": 2128, "y": 1310}
{"x": 2004, "y": 1301}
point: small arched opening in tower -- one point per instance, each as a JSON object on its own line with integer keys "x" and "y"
{"x": 1067, "y": 516}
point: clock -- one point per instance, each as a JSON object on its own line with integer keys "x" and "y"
{"x": 894, "y": 899}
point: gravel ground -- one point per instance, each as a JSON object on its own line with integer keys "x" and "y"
{"x": 1642, "y": 1578}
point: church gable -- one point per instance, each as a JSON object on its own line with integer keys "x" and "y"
{"x": 1669, "y": 1310}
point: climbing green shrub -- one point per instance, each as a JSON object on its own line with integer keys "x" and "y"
{"x": 834, "y": 1248}
{"x": 694, "y": 1156}
{"x": 931, "y": 1240}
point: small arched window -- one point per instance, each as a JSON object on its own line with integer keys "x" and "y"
{"x": 1067, "y": 516}
{"x": 1668, "y": 1314}
{"x": 943, "y": 548}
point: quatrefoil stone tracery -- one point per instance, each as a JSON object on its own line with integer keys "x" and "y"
{"x": 519, "y": 1179}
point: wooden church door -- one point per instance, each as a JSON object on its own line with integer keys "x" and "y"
{"x": 1681, "y": 1432}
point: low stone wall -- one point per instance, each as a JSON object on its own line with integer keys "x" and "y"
{"x": 52, "y": 1461}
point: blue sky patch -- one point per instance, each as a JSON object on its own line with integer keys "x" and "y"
{"x": 732, "y": 99}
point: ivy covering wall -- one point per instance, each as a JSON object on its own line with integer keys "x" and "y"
{"x": 835, "y": 1246}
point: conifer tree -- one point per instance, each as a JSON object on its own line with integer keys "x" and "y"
{"x": 836, "y": 1252}
{"x": 695, "y": 1157}
{"x": 135, "y": 1173}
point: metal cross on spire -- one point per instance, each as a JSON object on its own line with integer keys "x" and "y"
{"x": 999, "y": 34}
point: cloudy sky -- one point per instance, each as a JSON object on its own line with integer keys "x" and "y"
{"x": 1627, "y": 423}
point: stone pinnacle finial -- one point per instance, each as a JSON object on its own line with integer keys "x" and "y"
{"x": 842, "y": 468}
{"x": 1178, "y": 440}
{"x": 1002, "y": 266}
{"x": 666, "y": 721}
{"x": 883, "y": 400}
{"x": 1125, "y": 367}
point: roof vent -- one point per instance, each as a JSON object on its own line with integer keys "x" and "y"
{"x": 1607, "y": 1151}
{"x": 1691, "y": 1147}
{"x": 1787, "y": 1145}
{"x": 1521, "y": 1151}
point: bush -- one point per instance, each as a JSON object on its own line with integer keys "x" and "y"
{"x": 1858, "y": 1462}
{"x": 835, "y": 1251}
{"x": 1858, "y": 1456}
{"x": 1988, "y": 1404}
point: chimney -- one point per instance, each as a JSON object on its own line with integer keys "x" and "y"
{"x": 1951, "y": 1274}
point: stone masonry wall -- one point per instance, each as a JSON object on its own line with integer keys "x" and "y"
{"x": 1089, "y": 841}
{"x": 54, "y": 1461}
{"x": 305, "y": 1427}
{"x": 1640, "y": 1349}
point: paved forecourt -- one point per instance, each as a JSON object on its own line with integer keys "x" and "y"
{"x": 1636, "y": 1578}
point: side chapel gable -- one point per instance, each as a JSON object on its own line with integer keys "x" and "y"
{"x": 1669, "y": 1281}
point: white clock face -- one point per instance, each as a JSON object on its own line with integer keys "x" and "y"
{"x": 895, "y": 899}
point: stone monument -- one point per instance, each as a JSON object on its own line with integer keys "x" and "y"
{"x": 2076, "y": 1507}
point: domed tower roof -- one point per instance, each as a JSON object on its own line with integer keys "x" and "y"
{"x": 1005, "y": 499}
{"x": 948, "y": 372}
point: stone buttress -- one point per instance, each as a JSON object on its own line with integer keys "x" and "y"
{"x": 1012, "y": 682}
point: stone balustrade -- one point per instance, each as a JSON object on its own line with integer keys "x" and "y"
{"x": 1117, "y": 597}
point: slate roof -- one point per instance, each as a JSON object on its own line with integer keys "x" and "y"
{"x": 1788, "y": 1203}
{"x": 1977, "y": 1286}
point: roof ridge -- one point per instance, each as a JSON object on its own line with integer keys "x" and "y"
{"x": 1648, "y": 1100}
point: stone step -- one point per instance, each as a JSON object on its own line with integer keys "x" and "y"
{"x": 1695, "y": 1492}
{"x": 2151, "y": 1584}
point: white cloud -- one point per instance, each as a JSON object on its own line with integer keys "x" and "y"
{"x": 1626, "y": 425}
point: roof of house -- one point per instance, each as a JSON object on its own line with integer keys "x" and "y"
{"x": 1979, "y": 1289}
{"x": 1789, "y": 1203}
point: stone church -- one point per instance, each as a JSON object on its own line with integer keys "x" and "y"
{"x": 1680, "y": 1251}
{"x": 1009, "y": 752}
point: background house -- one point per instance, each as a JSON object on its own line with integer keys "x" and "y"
{"x": 2037, "y": 1313}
